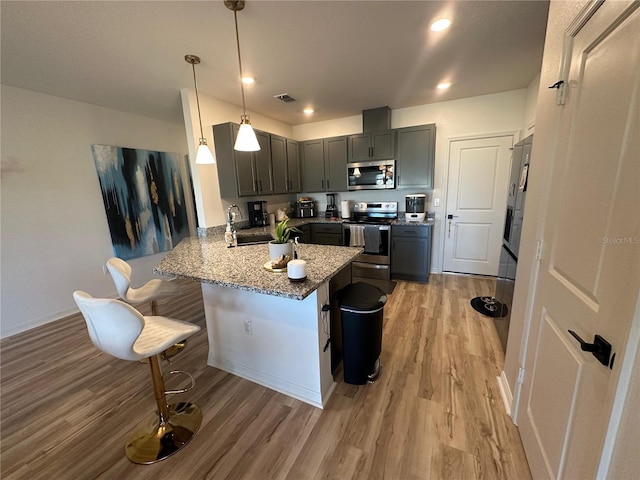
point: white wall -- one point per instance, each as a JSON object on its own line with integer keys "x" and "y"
{"x": 530, "y": 106}
{"x": 55, "y": 236}
{"x": 488, "y": 114}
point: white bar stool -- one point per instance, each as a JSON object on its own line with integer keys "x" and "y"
{"x": 120, "y": 330}
{"x": 151, "y": 292}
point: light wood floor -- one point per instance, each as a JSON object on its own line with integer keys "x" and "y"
{"x": 435, "y": 413}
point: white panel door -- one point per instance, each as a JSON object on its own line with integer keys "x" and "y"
{"x": 476, "y": 201}
{"x": 589, "y": 277}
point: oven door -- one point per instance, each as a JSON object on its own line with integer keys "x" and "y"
{"x": 371, "y": 175}
{"x": 377, "y": 254}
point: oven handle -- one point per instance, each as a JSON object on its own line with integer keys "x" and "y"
{"x": 374, "y": 266}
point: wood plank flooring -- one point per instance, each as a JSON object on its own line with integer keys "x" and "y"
{"x": 435, "y": 413}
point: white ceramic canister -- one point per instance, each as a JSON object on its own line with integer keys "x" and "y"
{"x": 297, "y": 269}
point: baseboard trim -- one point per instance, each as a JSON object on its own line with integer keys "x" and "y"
{"x": 279, "y": 385}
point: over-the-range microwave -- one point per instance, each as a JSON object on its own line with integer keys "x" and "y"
{"x": 372, "y": 175}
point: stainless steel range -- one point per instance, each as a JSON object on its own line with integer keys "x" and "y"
{"x": 371, "y": 228}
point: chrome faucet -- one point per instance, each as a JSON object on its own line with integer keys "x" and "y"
{"x": 230, "y": 214}
{"x": 230, "y": 235}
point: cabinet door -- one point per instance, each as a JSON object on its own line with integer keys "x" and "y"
{"x": 245, "y": 174}
{"x": 416, "y": 156}
{"x": 279, "y": 164}
{"x": 294, "y": 185}
{"x": 359, "y": 147}
{"x": 321, "y": 238}
{"x": 383, "y": 145}
{"x": 224, "y": 137}
{"x": 262, "y": 167}
{"x": 313, "y": 166}
{"x": 335, "y": 151}
{"x": 409, "y": 258}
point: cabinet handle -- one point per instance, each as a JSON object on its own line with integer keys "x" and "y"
{"x": 255, "y": 188}
{"x": 260, "y": 183}
{"x": 327, "y": 184}
{"x": 322, "y": 183}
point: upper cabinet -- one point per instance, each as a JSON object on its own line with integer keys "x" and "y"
{"x": 372, "y": 146}
{"x": 285, "y": 160}
{"x": 415, "y": 159}
{"x": 275, "y": 168}
{"x": 325, "y": 165}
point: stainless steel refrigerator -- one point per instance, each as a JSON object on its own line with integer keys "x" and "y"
{"x": 511, "y": 237}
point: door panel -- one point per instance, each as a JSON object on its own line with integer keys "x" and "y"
{"x": 589, "y": 280}
{"x": 477, "y": 199}
{"x": 472, "y": 242}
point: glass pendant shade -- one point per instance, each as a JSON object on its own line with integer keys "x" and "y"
{"x": 246, "y": 140}
{"x": 204, "y": 155}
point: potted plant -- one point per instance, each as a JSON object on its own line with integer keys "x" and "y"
{"x": 281, "y": 244}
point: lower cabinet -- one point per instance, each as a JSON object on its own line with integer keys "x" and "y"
{"x": 326, "y": 234}
{"x": 305, "y": 233}
{"x": 411, "y": 252}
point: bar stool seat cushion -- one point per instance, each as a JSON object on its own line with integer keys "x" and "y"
{"x": 120, "y": 330}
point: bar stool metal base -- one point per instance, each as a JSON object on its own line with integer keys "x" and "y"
{"x": 153, "y": 440}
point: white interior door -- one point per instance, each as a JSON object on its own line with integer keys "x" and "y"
{"x": 477, "y": 200}
{"x": 589, "y": 277}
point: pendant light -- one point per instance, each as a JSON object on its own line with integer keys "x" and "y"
{"x": 204, "y": 155}
{"x": 246, "y": 140}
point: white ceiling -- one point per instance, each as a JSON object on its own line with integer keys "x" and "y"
{"x": 339, "y": 56}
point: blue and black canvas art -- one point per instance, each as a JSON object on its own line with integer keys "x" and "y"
{"x": 143, "y": 198}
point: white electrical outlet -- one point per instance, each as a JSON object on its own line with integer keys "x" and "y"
{"x": 247, "y": 325}
{"x": 436, "y": 202}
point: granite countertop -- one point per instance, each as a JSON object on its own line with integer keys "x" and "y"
{"x": 207, "y": 259}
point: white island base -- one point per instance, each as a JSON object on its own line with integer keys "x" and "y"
{"x": 274, "y": 341}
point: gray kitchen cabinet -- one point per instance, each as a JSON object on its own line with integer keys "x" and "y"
{"x": 372, "y": 146}
{"x": 242, "y": 173}
{"x": 415, "y": 156}
{"x": 326, "y": 234}
{"x": 305, "y": 233}
{"x": 411, "y": 252}
{"x": 285, "y": 161}
{"x": 325, "y": 165}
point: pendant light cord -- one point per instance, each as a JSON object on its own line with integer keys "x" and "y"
{"x": 195, "y": 84}
{"x": 244, "y": 108}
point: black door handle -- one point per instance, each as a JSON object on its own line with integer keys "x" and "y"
{"x": 600, "y": 348}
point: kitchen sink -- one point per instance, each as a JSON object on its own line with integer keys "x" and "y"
{"x": 253, "y": 239}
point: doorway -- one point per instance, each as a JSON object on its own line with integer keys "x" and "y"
{"x": 476, "y": 203}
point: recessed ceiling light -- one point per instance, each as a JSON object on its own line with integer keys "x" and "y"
{"x": 440, "y": 25}
{"x": 308, "y": 111}
{"x": 248, "y": 80}
{"x": 443, "y": 85}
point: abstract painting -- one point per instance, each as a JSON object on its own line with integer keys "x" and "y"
{"x": 144, "y": 199}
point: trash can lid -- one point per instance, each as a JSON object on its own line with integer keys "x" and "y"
{"x": 361, "y": 297}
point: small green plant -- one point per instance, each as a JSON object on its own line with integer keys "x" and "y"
{"x": 283, "y": 231}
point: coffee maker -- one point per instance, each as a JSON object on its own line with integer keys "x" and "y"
{"x": 332, "y": 208}
{"x": 258, "y": 216}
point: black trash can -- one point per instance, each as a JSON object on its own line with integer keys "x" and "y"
{"x": 361, "y": 309}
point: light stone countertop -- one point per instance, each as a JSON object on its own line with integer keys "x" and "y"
{"x": 208, "y": 260}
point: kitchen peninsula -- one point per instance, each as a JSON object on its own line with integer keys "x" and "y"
{"x": 260, "y": 325}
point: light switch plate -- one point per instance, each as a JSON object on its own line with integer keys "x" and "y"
{"x": 436, "y": 202}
